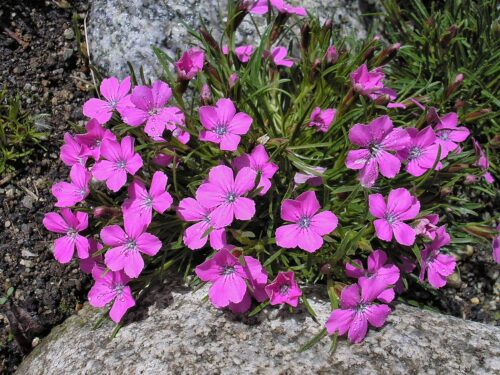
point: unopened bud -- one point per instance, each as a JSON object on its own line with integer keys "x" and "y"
{"x": 449, "y": 35}
{"x": 205, "y": 94}
{"x": 477, "y": 114}
{"x": 454, "y": 85}
{"x": 209, "y": 38}
{"x": 331, "y": 55}
{"x": 382, "y": 99}
{"x": 106, "y": 212}
{"x": 305, "y": 34}
{"x": 326, "y": 269}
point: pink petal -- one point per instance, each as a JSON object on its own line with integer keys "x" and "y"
{"x": 100, "y": 294}
{"x": 142, "y": 98}
{"x": 109, "y": 88}
{"x": 208, "y": 117}
{"x": 113, "y": 235}
{"x": 209, "y": 136}
{"x": 115, "y": 258}
{"x": 217, "y": 239}
{"x": 103, "y": 169}
{"x": 134, "y": 116}
{"x": 223, "y": 215}
{"x": 194, "y": 235}
{"x": 229, "y": 142}
{"x": 240, "y": 124}
{"x": 377, "y": 314}
{"x": 225, "y": 110}
{"x": 211, "y": 195}
{"x": 309, "y": 202}
{"x": 64, "y": 249}
{"x": 291, "y": 210}
{"x": 55, "y": 223}
{"x": 148, "y": 244}
{"x": 161, "y": 93}
{"x": 350, "y": 297}
{"x": 324, "y": 222}
{"x": 134, "y": 264}
{"x": 309, "y": 240}
{"x": 353, "y": 271}
{"x": 389, "y": 165}
{"x": 383, "y": 229}
{"x": 404, "y": 234}
{"x": 360, "y": 135}
{"x": 226, "y": 289}
{"x": 376, "y": 260}
{"x": 117, "y": 180}
{"x": 134, "y": 164}
{"x": 376, "y": 204}
{"x": 244, "y": 208}
{"x": 369, "y": 174}
{"x": 190, "y": 210}
{"x": 245, "y": 181}
{"x": 82, "y": 246}
{"x": 121, "y": 305}
{"x": 98, "y": 109}
{"x": 399, "y": 200}
{"x": 287, "y": 236}
{"x": 357, "y": 159}
{"x": 339, "y": 321}
{"x": 397, "y": 139}
{"x": 388, "y": 295}
{"x": 358, "y": 328}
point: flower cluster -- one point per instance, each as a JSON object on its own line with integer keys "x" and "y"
{"x": 239, "y": 169}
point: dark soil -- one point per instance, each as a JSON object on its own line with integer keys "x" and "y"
{"x": 39, "y": 58}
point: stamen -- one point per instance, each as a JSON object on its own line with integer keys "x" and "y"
{"x": 304, "y": 222}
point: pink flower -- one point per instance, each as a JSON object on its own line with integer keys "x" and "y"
{"x": 448, "y": 134}
{"x": 310, "y": 178}
{"x": 223, "y": 125}
{"x": 258, "y": 160}
{"x": 438, "y": 265}
{"x": 279, "y": 57}
{"x": 71, "y": 225}
{"x": 308, "y": 226}
{"x": 147, "y": 104}
{"x": 356, "y": 311}
{"x": 115, "y": 94}
{"x": 390, "y": 217}
{"x": 244, "y": 53}
{"x": 87, "y": 265}
{"x": 141, "y": 203}
{"x": 195, "y": 236}
{"x": 190, "y": 63}
{"x": 322, "y": 119}
{"x": 72, "y": 152}
{"x": 224, "y": 194}
{"x": 127, "y": 246}
{"x": 376, "y": 139}
{"x": 257, "y": 277}
{"x": 163, "y": 160}
{"x": 111, "y": 287}
{"x": 255, "y": 6}
{"x": 370, "y": 83}
{"x": 285, "y": 8}
{"x": 496, "y": 246}
{"x": 379, "y": 275}
{"x": 427, "y": 226}
{"x": 119, "y": 158}
{"x": 70, "y": 193}
{"x": 92, "y": 140}
{"x": 284, "y": 289}
{"x": 331, "y": 55}
{"x": 422, "y": 151}
{"x": 227, "y": 277}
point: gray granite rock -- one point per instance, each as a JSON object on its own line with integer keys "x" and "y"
{"x": 190, "y": 337}
{"x": 124, "y": 30}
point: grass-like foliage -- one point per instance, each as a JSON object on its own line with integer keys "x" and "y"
{"x": 268, "y": 167}
{"x": 19, "y": 132}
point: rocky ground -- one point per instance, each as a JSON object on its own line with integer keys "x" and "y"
{"x": 39, "y": 58}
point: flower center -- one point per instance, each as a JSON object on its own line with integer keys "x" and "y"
{"x": 131, "y": 245}
{"x": 304, "y": 222}
{"x": 231, "y": 197}
{"x": 374, "y": 149}
{"x": 119, "y": 289}
{"x": 121, "y": 164}
{"x": 227, "y": 270}
{"x": 148, "y": 201}
{"x": 443, "y": 135}
{"x": 82, "y": 192}
{"x": 360, "y": 308}
{"x": 284, "y": 289}
{"x": 113, "y": 103}
{"x": 415, "y": 153}
{"x": 390, "y": 218}
{"x": 153, "y": 112}
{"x": 72, "y": 233}
{"x": 220, "y": 129}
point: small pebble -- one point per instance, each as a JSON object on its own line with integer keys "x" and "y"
{"x": 35, "y": 342}
{"x": 474, "y": 301}
{"x": 7, "y": 224}
{"x": 69, "y": 33}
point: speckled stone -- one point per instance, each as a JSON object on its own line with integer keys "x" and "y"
{"x": 124, "y": 30}
{"x": 191, "y": 337}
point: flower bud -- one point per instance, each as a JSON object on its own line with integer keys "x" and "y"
{"x": 382, "y": 99}
{"x": 470, "y": 179}
{"x": 449, "y": 35}
{"x": 331, "y": 55}
{"x": 477, "y": 114}
{"x": 106, "y": 212}
{"x": 456, "y": 83}
{"x": 387, "y": 54}
{"x": 205, "y": 94}
{"x": 233, "y": 78}
{"x": 326, "y": 269}
{"x": 278, "y": 27}
{"x": 207, "y": 37}
{"x": 459, "y": 103}
{"x": 305, "y": 33}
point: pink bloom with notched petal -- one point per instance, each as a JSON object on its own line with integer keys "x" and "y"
{"x": 322, "y": 119}
{"x": 356, "y": 311}
{"x": 282, "y": 7}
{"x": 227, "y": 277}
{"x": 379, "y": 275}
{"x": 127, "y": 245}
{"x": 142, "y": 202}
{"x": 225, "y": 195}
{"x": 279, "y": 57}
{"x": 92, "y": 140}
{"x": 243, "y": 53}
{"x": 310, "y": 178}
{"x": 426, "y": 226}
{"x": 195, "y": 236}
{"x": 70, "y": 193}
{"x": 284, "y": 289}
{"x": 331, "y": 55}
{"x": 437, "y": 265}
{"x": 71, "y": 225}
{"x": 376, "y": 139}
{"x": 370, "y": 83}
{"x": 172, "y": 119}
{"x": 448, "y": 134}
{"x": 390, "y": 218}
{"x": 163, "y": 160}
{"x": 308, "y": 226}
{"x": 223, "y": 125}
{"x": 72, "y": 151}
{"x": 111, "y": 287}
{"x": 258, "y": 160}
{"x": 190, "y": 63}
{"x": 88, "y": 264}
{"x": 115, "y": 93}
{"x": 147, "y": 105}
{"x": 118, "y": 160}
{"x": 422, "y": 152}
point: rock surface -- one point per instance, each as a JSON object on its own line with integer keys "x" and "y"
{"x": 190, "y": 337}
{"x": 124, "y": 30}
